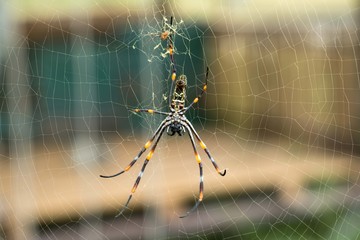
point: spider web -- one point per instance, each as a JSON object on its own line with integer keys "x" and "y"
{"x": 281, "y": 114}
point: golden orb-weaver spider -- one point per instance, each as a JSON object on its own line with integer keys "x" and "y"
{"x": 175, "y": 122}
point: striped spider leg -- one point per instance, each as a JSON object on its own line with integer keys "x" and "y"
{"x": 146, "y": 146}
{"x": 158, "y": 133}
{"x": 198, "y": 160}
{"x": 189, "y": 127}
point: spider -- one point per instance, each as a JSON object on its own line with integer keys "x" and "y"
{"x": 175, "y": 122}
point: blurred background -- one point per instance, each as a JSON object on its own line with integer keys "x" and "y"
{"x": 281, "y": 114}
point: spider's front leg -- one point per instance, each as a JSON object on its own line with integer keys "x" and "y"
{"x": 203, "y": 146}
{"x": 148, "y": 157}
{"x": 201, "y": 187}
{"x": 146, "y": 146}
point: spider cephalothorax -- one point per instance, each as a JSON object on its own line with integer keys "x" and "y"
{"x": 174, "y": 122}
{"x": 175, "y": 126}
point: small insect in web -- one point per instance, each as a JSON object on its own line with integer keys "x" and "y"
{"x": 167, "y": 29}
{"x": 175, "y": 122}
{"x": 166, "y": 34}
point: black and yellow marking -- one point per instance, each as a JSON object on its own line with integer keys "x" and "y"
{"x": 202, "y": 144}
{"x": 147, "y": 144}
{"x": 137, "y": 110}
{"x": 150, "y": 154}
{"x": 198, "y": 159}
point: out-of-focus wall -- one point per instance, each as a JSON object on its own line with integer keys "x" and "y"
{"x": 284, "y": 68}
{"x": 302, "y": 84}
{"x": 287, "y": 67}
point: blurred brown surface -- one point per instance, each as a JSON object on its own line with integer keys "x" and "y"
{"x": 62, "y": 188}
